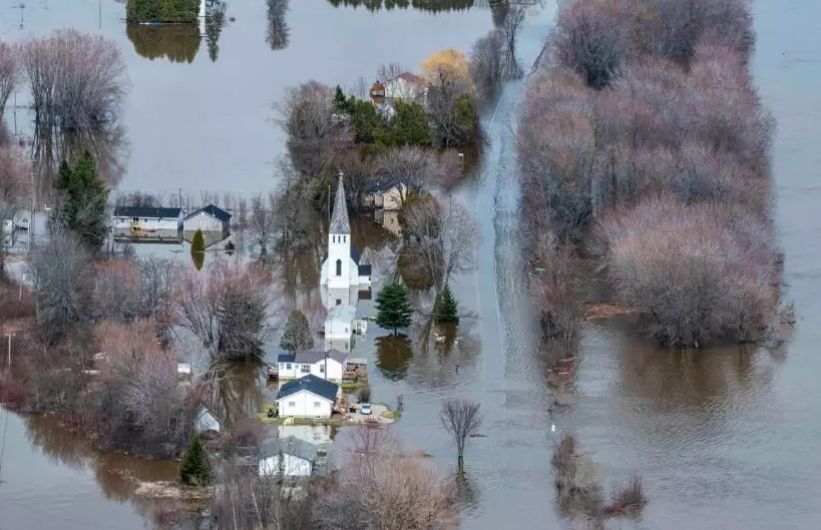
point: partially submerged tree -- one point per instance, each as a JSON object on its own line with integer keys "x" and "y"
{"x": 394, "y": 310}
{"x": 297, "y": 335}
{"x": 451, "y": 107}
{"x": 446, "y": 308}
{"x": 461, "y": 419}
{"x": 198, "y": 249}
{"x": 9, "y": 74}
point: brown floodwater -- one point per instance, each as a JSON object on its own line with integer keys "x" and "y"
{"x": 724, "y": 438}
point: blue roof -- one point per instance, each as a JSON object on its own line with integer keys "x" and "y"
{"x": 213, "y": 211}
{"x": 312, "y": 384}
{"x": 285, "y": 358}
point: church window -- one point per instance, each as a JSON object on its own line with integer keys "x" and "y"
{"x": 339, "y": 267}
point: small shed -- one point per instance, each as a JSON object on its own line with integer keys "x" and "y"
{"x": 206, "y": 422}
{"x": 214, "y": 222}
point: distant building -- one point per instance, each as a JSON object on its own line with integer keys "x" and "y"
{"x": 406, "y": 86}
{"x": 214, "y": 222}
{"x": 289, "y": 458}
{"x": 307, "y": 397}
{"x": 329, "y": 364}
{"x": 142, "y": 223}
{"x": 386, "y": 197}
{"x": 206, "y": 422}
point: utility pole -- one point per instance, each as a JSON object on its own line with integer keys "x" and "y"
{"x": 9, "y": 335}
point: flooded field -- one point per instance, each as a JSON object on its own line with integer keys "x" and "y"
{"x": 724, "y": 438}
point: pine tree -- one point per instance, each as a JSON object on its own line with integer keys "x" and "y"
{"x": 339, "y": 99}
{"x": 394, "y": 310}
{"x": 198, "y": 249}
{"x": 195, "y": 469}
{"x": 447, "y": 308}
{"x": 297, "y": 335}
{"x": 81, "y": 202}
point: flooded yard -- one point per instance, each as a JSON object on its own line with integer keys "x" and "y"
{"x": 723, "y": 438}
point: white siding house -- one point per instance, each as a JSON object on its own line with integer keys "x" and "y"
{"x": 214, "y": 223}
{"x": 405, "y": 86}
{"x": 329, "y": 365}
{"x": 206, "y": 421}
{"x": 307, "y": 397}
{"x": 140, "y": 223}
{"x": 288, "y": 458}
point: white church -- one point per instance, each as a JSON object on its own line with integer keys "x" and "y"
{"x": 342, "y": 278}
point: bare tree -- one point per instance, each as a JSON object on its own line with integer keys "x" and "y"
{"x": 263, "y": 222}
{"x": 487, "y": 64}
{"x": 510, "y": 30}
{"x": 389, "y": 71}
{"x": 413, "y": 166}
{"x": 9, "y": 74}
{"x": 461, "y": 419}
{"x": 314, "y": 134}
{"x": 63, "y": 281}
{"x": 442, "y": 235}
{"x": 229, "y": 309}
{"x": 278, "y": 30}
{"x": 76, "y": 80}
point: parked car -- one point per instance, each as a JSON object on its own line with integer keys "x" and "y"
{"x": 365, "y": 409}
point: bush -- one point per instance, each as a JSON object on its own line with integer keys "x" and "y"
{"x": 700, "y": 272}
{"x": 364, "y": 394}
{"x": 195, "y": 469}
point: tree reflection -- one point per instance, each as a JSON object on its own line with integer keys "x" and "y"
{"x": 278, "y": 30}
{"x": 394, "y": 354}
{"x": 434, "y": 6}
{"x": 106, "y": 143}
{"x": 214, "y": 21}
{"x": 178, "y": 43}
{"x": 234, "y": 390}
{"x": 467, "y": 494}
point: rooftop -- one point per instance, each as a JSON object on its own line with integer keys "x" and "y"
{"x": 309, "y": 383}
{"x": 213, "y": 211}
{"x": 289, "y": 446}
{"x": 311, "y": 356}
{"x": 147, "y": 212}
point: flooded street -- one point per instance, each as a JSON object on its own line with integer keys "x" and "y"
{"x": 724, "y": 438}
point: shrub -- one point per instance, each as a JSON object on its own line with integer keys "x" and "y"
{"x": 700, "y": 272}
{"x": 364, "y": 394}
{"x": 162, "y": 10}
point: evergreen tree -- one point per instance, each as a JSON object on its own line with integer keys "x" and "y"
{"x": 410, "y": 125}
{"x": 81, "y": 202}
{"x": 198, "y": 249}
{"x": 195, "y": 469}
{"x": 394, "y": 310}
{"x": 447, "y": 309}
{"x": 339, "y": 99}
{"x": 297, "y": 335}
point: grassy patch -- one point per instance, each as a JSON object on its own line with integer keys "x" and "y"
{"x": 348, "y": 386}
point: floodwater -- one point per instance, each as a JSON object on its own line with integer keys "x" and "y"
{"x": 725, "y": 438}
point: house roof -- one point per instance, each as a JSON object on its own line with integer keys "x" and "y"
{"x": 364, "y": 270}
{"x": 213, "y": 211}
{"x": 311, "y": 356}
{"x": 355, "y": 254}
{"x": 312, "y": 384}
{"x": 409, "y": 77}
{"x": 146, "y": 211}
{"x": 289, "y": 446}
{"x": 386, "y": 183}
{"x": 339, "y": 220}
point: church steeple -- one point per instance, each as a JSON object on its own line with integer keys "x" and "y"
{"x": 339, "y": 220}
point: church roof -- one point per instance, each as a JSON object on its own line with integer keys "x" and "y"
{"x": 339, "y": 220}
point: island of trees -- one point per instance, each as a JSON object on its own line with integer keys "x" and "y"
{"x": 163, "y": 11}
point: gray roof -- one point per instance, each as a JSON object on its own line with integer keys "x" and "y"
{"x": 147, "y": 212}
{"x": 213, "y": 211}
{"x": 339, "y": 220}
{"x": 290, "y": 446}
{"x": 312, "y": 384}
{"x": 312, "y": 356}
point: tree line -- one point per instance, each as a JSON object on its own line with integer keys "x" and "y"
{"x": 643, "y": 145}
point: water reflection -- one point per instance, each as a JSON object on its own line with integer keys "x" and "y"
{"x": 106, "y": 142}
{"x": 434, "y": 6}
{"x": 278, "y": 30}
{"x": 235, "y": 390}
{"x": 178, "y": 43}
{"x": 393, "y": 356}
{"x": 214, "y": 21}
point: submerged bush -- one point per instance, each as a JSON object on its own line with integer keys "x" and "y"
{"x": 699, "y": 272}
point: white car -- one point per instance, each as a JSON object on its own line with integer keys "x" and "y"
{"x": 365, "y": 409}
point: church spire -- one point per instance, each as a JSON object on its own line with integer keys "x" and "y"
{"x": 339, "y": 220}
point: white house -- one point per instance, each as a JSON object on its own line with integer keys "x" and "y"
{"x": 288, "y": 458}
{"x": 386, "y": 197}
{"x": 143, "y": 223}
{"x": 307, "y": 397}
{"x": 206, "y": 421}
{"x": 341, "y": 269}
{"x": 318, "y": 435}
{"x": 329, "y": 364}
{"x": 406, "y": 86}
{"x": 214, "y": 222}
{"x": 339, "y": 326}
